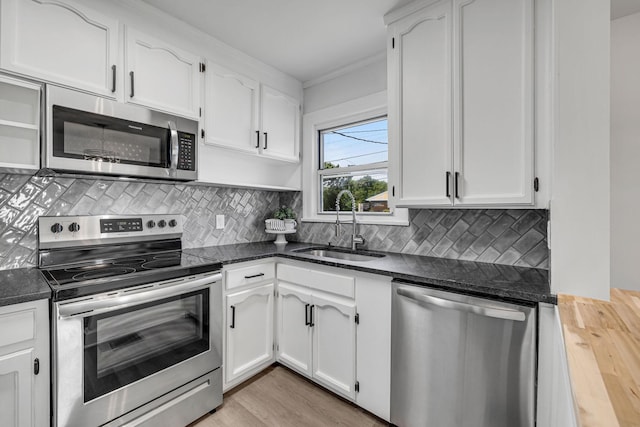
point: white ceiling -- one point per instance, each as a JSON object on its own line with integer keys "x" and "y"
{"x": 306, "y": 39}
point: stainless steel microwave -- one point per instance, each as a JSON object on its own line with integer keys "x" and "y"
{"x": 93, "y": 135}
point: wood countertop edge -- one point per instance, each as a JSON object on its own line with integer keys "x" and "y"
{"x": 602, "y": 342}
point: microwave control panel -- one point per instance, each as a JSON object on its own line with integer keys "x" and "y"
{"x": 186, "y": 151}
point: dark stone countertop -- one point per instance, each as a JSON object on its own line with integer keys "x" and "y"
{"x": 22, "y": 285}
{"x": 468, "y": 277}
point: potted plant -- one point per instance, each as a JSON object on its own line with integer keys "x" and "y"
{"x": 286, "y": 219}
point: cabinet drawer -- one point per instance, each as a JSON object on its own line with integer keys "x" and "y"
{"x": 249, "y": 275}
{"x": 320, "y": 280}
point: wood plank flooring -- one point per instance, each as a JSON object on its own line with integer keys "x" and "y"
{"x": 280, "y": 397}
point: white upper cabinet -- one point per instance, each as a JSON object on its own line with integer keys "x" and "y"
{"x": 245, "y": 115}
{"x": 461, "y": 103}
{"x": 280, "y": 125}
{"x": 19, "y": 125}
{"x": 161, "y": 76}
{"x": 493, "y": 101}
{"x": 231, "y": 109}
{"x": 60, "y": 41}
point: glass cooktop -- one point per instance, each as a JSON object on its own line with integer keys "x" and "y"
{"x": 90, "y": 277}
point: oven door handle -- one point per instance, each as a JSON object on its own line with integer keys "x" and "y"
{"x": 133, "y": 296}
{"x": 174, "y": 150}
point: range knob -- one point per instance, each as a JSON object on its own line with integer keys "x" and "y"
{"x": 74, "y": 227}
{"x": 151, "y": 223}
{"x": 162, "y": 223}
{"x": 57, "y": 228}
{"x": 173, "y": 223}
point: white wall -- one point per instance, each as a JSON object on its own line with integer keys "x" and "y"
{"x": 580, "y": 227}
{"x": 625, "y": 151}
{"x": 353, "y": 82}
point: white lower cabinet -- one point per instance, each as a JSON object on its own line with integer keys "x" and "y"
{"x": 373, "y": 359}
{"x": 294, "y": 332}
{"x": 24, "y": 364}
{"x": 332, "y": 326}
{"x": 249, "y": 344}
{"x": 317, "y": 336}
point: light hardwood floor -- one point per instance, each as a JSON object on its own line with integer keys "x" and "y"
{"x": 279, "y": 397}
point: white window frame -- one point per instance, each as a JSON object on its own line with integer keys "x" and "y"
{"x": 357, "y": 110}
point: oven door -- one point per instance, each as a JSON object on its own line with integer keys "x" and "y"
{"x": 134, "y": 346}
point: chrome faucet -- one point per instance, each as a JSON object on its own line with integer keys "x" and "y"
{"x": 356, "y": 239}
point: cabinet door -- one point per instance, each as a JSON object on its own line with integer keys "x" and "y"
{"x": 16, "y": 390}
{"x": 334, "y": 343}
{"x": 493, "y": 101}
{"x": 280, "y": 125}
{"x": 231, "y": 110}
{"x": 249, "y": 331}
{"x": 60, "y": 41}
{"x": 294, "y": 330}
{"x": 161, "y": 76}
{"x": 420, "y": 84}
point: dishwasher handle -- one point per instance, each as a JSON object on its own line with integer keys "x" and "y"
{"x": 482, "y": 310}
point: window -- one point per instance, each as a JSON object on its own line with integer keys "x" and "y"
{"x": 345, "y": 146}
{"x": 354, "y": 157}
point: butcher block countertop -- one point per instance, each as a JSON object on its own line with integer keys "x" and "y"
{"x": 603, "y": 349}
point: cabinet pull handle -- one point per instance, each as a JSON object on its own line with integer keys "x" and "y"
{"x": 36, "y": 366}
{"x": 113, "y": 78}
{"x": 448, "y": 179}
{"x": 253, "y": 276}
{"x": 265, "y": 141}
{"x": 306, "y": 315}
{"x": 311, "y": 316}
{"x": 233, "y": 317}
{"x": 132, "y": 89}
{"x": 257, "y": 139}
{"x": 456, "y": 189}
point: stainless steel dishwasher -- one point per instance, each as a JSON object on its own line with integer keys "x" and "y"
{"x": 461, "y": 361}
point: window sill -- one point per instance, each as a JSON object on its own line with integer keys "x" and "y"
{"x": 401, "y": 218}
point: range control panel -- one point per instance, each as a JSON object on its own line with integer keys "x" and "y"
{"x": 67, "y": 231}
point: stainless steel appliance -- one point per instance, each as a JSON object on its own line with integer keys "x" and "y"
{"x": 461, "y": 361}
{"x": 89, "y": 134}
{"x": 136, "y": 321}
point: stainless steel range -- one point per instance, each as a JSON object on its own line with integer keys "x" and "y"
{"x": 136, "y": 322}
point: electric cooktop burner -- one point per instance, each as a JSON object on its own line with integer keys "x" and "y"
{"x": 82, "y": 256}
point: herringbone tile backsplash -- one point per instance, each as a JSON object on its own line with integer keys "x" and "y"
{"x": 513, "y": 237}
{"x": 24, "y": 198}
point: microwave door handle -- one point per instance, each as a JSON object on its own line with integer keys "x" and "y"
{"x": 173, "y": 154}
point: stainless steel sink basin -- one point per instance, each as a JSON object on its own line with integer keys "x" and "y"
{"x": 342, "y": 254}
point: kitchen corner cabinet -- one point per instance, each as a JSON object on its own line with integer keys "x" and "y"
{"x": 249, "y": 311}
{"x": 19, "y": 125}
{"x": 161, "y": 76}
{"x": 245, "y": 115}
{"x": 60, "y": 41}
{"x": 24, "y": 364}
{"x": 461, "y": 118}
{"x": 317, "y": 328}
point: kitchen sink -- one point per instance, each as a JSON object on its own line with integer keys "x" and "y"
{"x": 343, "y": 254}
